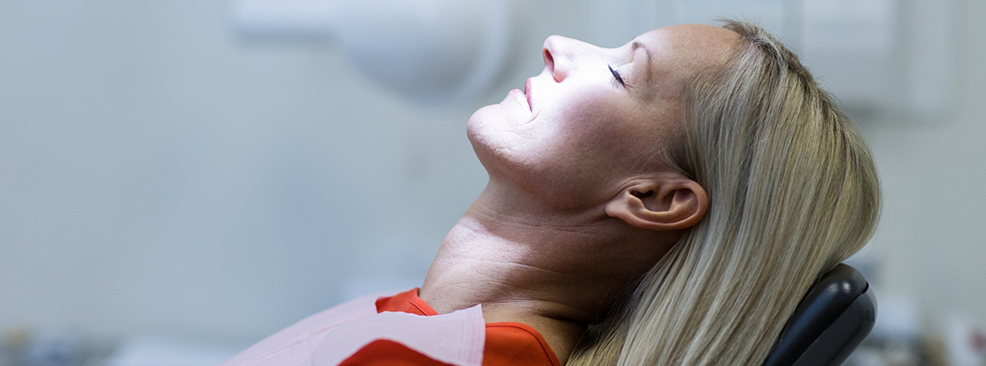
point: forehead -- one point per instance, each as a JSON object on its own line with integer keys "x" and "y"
{"x": 680, "y": 51}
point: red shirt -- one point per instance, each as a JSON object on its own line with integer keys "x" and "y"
{"x": 506, "y": 343}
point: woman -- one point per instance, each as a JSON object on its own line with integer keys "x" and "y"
{"x": 662, "y": 203}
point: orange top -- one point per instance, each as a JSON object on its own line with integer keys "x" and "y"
{"x": 506, "y": 343}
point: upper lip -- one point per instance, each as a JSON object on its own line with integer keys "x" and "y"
{"x": 527, "y": 93}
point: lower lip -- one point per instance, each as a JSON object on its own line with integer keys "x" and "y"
{"x": 527, "y": 94}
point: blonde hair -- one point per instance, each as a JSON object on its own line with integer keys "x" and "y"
{"x": 793, "y": 191}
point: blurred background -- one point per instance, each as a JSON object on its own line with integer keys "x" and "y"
{"x": 179, "y": 179}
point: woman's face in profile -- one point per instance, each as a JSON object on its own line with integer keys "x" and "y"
{"x": 594, "y": 114}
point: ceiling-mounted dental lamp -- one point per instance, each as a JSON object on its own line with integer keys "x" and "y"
{"x": 429, "y": 50}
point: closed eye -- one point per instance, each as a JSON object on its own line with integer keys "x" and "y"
{"x": 617, "y": 76}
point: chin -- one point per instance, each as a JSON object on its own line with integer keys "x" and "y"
{"x": 480, "y": 131}
{"x": 485, "y": 124}
{"x": 492, "y": 133}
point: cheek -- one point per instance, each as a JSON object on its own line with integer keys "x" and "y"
{"x": 598, "y": 127}
{"x": 576, "y": 153}
{"x": 615, "y": 140}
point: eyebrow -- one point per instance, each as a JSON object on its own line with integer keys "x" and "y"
{"x": 633, "y": 49}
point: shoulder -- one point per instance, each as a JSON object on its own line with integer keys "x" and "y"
{"x": 399, "y": 330}
{"x": 513, "y": 344}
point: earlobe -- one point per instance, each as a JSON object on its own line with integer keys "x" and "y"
{"x": 667, "y": 204}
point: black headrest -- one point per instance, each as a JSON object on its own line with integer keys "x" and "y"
{"x": 832, "y": 319}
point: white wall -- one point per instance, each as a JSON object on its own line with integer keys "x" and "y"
{"x": 157, "y": 174}
{"x": 931, "y": 244}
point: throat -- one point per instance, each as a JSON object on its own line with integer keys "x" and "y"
{"x": 555, "y": 273}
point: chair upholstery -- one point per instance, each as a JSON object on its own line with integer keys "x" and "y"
{"x": 832, "y": 319}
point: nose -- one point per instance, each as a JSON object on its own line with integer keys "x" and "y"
{"x": 559, "y": 55}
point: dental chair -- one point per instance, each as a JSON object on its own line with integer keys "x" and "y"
{"x": 829, "y": 323}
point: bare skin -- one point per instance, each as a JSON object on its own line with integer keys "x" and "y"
{"x": 577, "y": 206}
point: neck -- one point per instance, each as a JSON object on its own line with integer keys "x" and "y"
{"x": 531, "y": 266}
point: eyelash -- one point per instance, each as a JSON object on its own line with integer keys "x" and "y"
{"x": 617, "y": 76}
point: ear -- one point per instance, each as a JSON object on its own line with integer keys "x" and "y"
{"x": 669, "y": 202}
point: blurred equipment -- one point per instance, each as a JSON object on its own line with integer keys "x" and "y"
{"x": 45, "y": 347}
{"x": 899, "y": 340}
{"x": 429, "y": 50}
{"x": 965, "y": 342}
{"x": 158, "y": 350}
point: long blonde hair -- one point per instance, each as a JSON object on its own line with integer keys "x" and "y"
{"x": 793, "y": 191}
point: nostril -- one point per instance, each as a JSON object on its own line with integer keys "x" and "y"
{"x": 556, "y": 67}
{"x": 549, "y": 61}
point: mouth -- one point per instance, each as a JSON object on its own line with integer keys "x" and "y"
{"x": 527, "y": 94}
